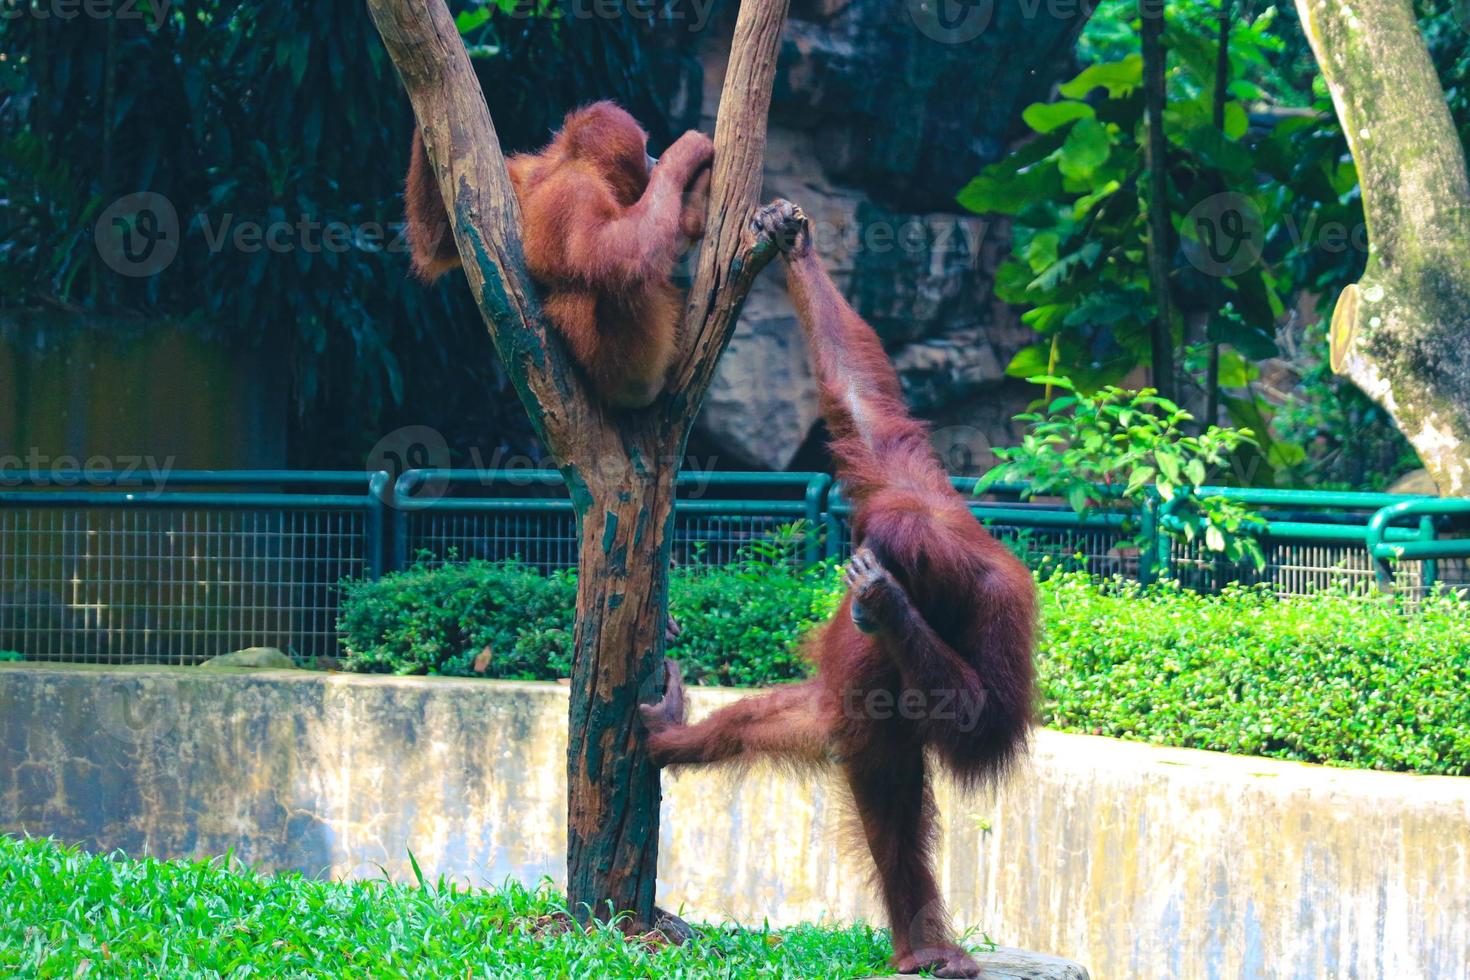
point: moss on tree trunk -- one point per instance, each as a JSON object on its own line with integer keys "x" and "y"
{"x": 1402, "y": 332}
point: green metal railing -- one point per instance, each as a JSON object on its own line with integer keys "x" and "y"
{"x": 207, "y": 562}
{"x": 437, "y": 518}
{"x": 102, "y": 567}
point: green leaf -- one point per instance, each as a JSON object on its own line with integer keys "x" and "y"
{"x": 1237, "y": 122}
{"x": 1118, "y": 77}
{"x": 1086, "y": 148}
{"x": 1045, "y": 117}
{"x": 1029, "y": 361}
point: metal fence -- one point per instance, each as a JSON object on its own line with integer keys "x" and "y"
{"x": 105, "y": 568}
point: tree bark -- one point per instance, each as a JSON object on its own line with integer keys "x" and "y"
{"x": 1160, "y": 230}
{"x": 1402, "y": 332}
{"x": 619, "y": 467}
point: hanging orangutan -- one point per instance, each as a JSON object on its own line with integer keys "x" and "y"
{"x": 928, "y": 661}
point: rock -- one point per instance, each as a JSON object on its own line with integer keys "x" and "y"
{"x": 763, "y": 400}
{"x": 1007, "y": 963}
{"x": 917, "y": 274}
{"x": 908, "y": 109}
{"x": 1019, "y": 964}
{"x": 875, "y": 126}
{"x": 1415, "y": 481}
{"x": 938, "y": 373}
{"x": 264, "y": 657}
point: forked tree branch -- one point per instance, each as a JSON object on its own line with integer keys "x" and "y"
{"x": 485, "y": 217}
{"x": 731, "y": 256}
{"x": 484, "y": 214}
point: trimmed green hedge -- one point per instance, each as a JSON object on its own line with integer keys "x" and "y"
{"x": 742, "y": 624}
{"x": 9, "y": 656}
{"x": 1346, "y": 680}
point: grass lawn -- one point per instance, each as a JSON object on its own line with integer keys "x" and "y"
{"x": 66, "y": 913}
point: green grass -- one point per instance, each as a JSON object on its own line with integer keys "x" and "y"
{"x": 65, "y": 913}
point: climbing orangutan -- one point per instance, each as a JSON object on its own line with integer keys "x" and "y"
{"x": 927, "y": 664}
{"x": 602, "y": 227}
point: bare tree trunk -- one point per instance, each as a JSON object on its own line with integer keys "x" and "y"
{"x": 1160, "y": 230}
{"x": 1402, "y": 332}
{"x": 619, "y": 467}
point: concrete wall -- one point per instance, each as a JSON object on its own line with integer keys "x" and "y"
{"x": 1140, "y": 862}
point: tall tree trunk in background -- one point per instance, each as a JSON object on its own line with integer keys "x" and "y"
{"x": 1222, "y": 96}
{"x": 620, "y": 467}
{"x": 1160, "y": 230}
{"x": 1402, "y": 332}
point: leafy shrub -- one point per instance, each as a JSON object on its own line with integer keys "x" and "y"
{"x": 1082, "y": 442}
{"x": 742, "y": 624}
{"x": 1331, "y": 678}
{"x": 438, "y": 620}
{"x": 9, "y": 656}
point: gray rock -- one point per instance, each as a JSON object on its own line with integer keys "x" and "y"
{"x": 1007, "y": 963}
{"x": 938, "y": 373}
{"x": 264, "y": 657}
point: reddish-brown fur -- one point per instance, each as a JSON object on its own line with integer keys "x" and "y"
{"x": 601, "y": 233}
{"x": 939, "y": 616}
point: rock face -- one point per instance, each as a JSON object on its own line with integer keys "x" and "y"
{"x": 877, "y": 121}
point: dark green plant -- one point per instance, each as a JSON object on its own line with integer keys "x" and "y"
{"x": 245, "y": 115}
{"x": 1354, "y": 680}
{"x": 10, "y": 656}
{"x": 1256, "y": 155}
{"x": 742, "y": 624}
{"x": 439, "y": 620}
{"x": 1109, "y": 450}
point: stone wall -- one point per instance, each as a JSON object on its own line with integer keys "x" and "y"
{"x": 1138, "y": 861}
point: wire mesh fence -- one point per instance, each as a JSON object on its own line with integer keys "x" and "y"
{"x": 215, "y": 562}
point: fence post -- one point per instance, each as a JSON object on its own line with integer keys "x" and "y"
{"x": 1429, "y": 567}
{"x": 834, "y": 540}
{"x": 816, "y": 503}
{"x": 1148, "y": 536}
{"x": 377, "y": 528}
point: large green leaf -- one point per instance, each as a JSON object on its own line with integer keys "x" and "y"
{"x": 1118, "y": 77}
{"x": 1045, "y": 117}
{"x": 1085, "y": 149}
